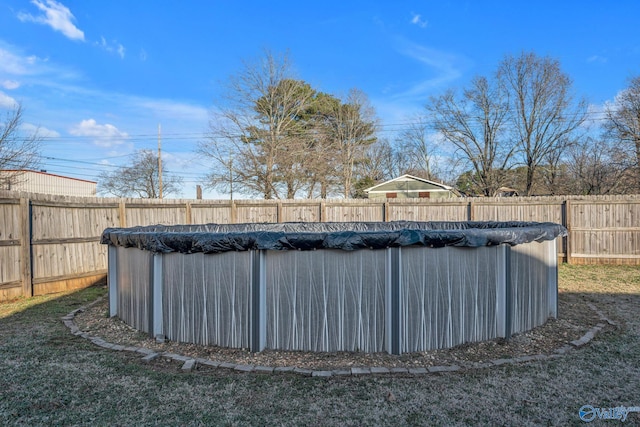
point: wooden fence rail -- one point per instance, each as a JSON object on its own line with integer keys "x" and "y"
{"x": 51, "y": 243}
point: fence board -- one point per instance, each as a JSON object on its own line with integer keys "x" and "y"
{"x": 294, "y": 212}
{"x": 11, "y": 267}
{"x": 152, "y": 214}
{"x": 542, "y": 212}
{"x": 9, "y": 220}
{"x": 68, "y": 259}
{"x": 7, "y": 294}
{"x": 10, "y": 264}
{"x": 59, "y": 221}
{"x": 354, "y": 212}
{"x": 256, "y": 213}
{"x": 605, "y": 230}
{"x": 428, "y": 212}
{"x": 206, "y": 214}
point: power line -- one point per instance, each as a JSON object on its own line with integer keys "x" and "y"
{"x": 107, "y": 165}
{"x": 593, "y": 116}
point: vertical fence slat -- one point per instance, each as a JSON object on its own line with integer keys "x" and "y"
{"x": 567, "y": 224}
{"x": 25, "y": 243}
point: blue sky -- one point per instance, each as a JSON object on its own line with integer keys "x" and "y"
{"x": 98, "y": 77}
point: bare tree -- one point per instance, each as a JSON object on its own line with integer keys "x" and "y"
{"x": 382, "y": 162}
{"x": 593, "y": 168}
{"x": 351, "y": 127}
{"x": 475, "y": 124}
{"x": 543, "y": 114}
{"x": 256, "y": 125}
{"x": 18, "y": 151}
{"x": 553, "y": 170}
{"x": 417, "y": 149}
{"x": 623, "y": 127}
{"x": 139, "y": 178}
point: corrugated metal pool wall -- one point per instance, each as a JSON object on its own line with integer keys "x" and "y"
{"x": 133, "y": 276}
{"x": 326, "y": 300}
{"x": 448, "y": 296}
{"x": 395, "y": 300}
{"x": 206, "y": 298}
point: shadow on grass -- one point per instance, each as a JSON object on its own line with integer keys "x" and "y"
{"x": 51, "y": 304}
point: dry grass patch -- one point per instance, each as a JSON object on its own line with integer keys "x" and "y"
{"x": 50, "y": 377}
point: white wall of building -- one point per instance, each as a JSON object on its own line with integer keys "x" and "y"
{"x": 46, "y": 183}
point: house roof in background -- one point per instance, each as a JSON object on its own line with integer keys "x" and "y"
{"x": 409, "y": 183}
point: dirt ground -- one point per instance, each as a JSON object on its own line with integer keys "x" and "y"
{"x": 574, "y": 320}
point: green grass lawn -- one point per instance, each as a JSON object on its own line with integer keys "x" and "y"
{"x": 50, "y": 377}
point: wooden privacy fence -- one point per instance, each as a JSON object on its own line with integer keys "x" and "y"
{"x": 51, "y": 243}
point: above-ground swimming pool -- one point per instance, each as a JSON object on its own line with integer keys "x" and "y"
{"x": 398, "y": 287}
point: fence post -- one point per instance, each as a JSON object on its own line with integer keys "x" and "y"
{"x": 567, "y": 225}
{"x": 187, "y": 213}
{"x": 233, "y": 212}
{"x": 123, "y": 213}
{"x": 26, "y": 248}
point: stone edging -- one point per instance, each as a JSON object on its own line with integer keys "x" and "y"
{"x": 189, "y": 363}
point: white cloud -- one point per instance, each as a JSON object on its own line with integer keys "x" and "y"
{"x": 444, "y": 67}
{"x": 143, "y": 55}
{"x": 173, "y": 110}
{"x": 42, "y": 131}
{"x": 6, "y": 101}
{"x": 11, "y": 63}
{"x": 10, "y": 84}
{"x": 15, "y": 63}
{"x": 106, "y": 135}
{"x": 597, "y": 58}
{"x": 57, "y": 16}
{"x": 417, "y": 20}
{"x": 113, "y": 47}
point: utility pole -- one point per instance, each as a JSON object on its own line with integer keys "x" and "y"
{"x": 159, "y": 161}
{"x": 231, "y": 177}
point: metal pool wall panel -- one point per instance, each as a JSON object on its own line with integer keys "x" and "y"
{"x": 202, "y": 285}
{"x": 133, "y": 279}
{"x": 326, "y": 300}
{"x": 449, "y": 296}
{"x": 533, "y": 284}
{"x": 206, "y": 298}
